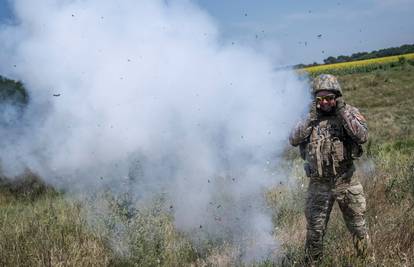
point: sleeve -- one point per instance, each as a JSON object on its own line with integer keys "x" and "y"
{"x": 355, "y": 124}
{"x": 300, "y": 132}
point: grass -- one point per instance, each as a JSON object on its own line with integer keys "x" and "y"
{"x": 42, "y": 227}
{"x": 47, "y": 232}
{"x": 52, "y": 230}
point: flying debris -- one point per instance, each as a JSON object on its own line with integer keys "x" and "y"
{"x": 170, "y": 177}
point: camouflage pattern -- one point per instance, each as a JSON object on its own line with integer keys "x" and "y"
{"x": 329, "y": 143}
{"x": 355, "y": 124}
{"x": 351, "y": 200}
{"x": 301, "y": 132}
{"x": 326, "y": 82}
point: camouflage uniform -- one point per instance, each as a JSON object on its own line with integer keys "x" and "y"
{"x": 329, "y": 142}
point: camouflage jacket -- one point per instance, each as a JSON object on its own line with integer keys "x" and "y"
{"x": 330, "y": 142}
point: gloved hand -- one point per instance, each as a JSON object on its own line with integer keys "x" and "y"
{"x": 340, "y": 104}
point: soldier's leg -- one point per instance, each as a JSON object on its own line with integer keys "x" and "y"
{"x": 352, "y": 204}
{"x": 318, "y": 208}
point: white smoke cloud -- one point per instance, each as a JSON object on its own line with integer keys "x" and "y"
{"x": 141, "y": 96}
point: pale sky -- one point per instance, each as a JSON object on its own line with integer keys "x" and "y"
{"x": 345, "y": 26}
{"x": 303, "y": 31}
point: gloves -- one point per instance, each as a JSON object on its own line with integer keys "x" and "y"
{"x": 340, "y": 104}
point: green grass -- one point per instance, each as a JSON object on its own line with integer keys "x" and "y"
{"x": 42, "y": 227}
{"x": 386, "y": 98}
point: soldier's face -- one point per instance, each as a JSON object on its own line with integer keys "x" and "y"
{"x": 325, "y": 101}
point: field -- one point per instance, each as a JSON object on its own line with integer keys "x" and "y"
{"x": 41, "y": 227}
{"x": 360, "y": 65}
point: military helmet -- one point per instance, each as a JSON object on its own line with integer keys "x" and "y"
{"x": 326, "y": 82}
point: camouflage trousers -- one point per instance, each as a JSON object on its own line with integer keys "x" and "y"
{"x": 351, "y": 201}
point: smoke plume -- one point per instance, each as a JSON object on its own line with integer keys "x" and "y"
{"x": 145, "y": 98}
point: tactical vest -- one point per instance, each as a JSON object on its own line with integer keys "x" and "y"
{"x": 329, "y": 150}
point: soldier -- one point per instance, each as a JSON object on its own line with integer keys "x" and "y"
{"x": 329, "y": 140}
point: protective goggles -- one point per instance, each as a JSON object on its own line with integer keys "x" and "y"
{"x": 326, "y": 97}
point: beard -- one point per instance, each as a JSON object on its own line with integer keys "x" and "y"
{"x": 326, "y": 108}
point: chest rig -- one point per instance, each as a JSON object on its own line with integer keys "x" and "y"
{"x": 328, "y": 147}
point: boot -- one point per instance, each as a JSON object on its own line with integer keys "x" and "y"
{"x": 363, "y": 248}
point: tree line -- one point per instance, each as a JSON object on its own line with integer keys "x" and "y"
{"x": 392, "y": 51}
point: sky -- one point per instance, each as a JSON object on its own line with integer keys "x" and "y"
{"x": 303, "y": 31}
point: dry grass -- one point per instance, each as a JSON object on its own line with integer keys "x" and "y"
{"x": 390, "y": 217}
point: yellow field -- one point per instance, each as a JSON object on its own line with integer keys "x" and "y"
{"x": 357, "y": 64}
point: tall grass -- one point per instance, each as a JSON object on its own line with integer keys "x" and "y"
{"x": 47, "y": 232}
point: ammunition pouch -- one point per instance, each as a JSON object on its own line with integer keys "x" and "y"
{"x": 338, "y": 151}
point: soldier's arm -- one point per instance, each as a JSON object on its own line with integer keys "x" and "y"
{"x": 300, "y": 133}
{"x": 354, "y": 124}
